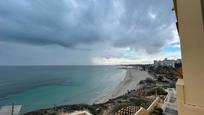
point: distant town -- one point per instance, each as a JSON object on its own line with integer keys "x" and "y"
{"x": 167, "y": 62}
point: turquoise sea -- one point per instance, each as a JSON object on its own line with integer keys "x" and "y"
{"x": 36, "y": 87}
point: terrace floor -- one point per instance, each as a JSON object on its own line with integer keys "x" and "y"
{"x": 170, "y": 107}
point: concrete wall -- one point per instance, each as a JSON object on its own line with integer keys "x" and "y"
{"x": 79, "y": 113}
{"x": 143, "y": 111}
{"x": 192, "y": 44}
{"x": 190, "y": 92}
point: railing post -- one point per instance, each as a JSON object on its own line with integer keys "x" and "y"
{"x": 12, "y": 109}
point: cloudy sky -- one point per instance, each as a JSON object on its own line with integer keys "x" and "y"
{"x": 84, "y": 32}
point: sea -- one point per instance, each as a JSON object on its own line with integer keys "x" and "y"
{"x": 37, "y": 87}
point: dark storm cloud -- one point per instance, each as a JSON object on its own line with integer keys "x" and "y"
{"x": 139, "y": 24}
{"x": 147, "y": 24}
{"x": 48, "y": 22}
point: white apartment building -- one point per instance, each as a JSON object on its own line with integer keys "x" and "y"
{"x": 166, "y": 62}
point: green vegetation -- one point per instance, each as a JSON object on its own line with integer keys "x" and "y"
{"x": 165, "y": 75}
{"x": 156, "y": 111}
{"x": 111, "y": 106}
{"x": 130, "y": 101}
{"x": 147, "y": 81}
{"x": 160, "y": 78}
{"x": 156, "y": 91}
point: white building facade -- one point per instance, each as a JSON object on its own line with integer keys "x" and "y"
{"x": 167, "y": 62}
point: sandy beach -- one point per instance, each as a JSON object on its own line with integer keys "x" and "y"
{"x": 130, "y": 82}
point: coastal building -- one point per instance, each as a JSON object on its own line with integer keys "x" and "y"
{"x": 189, "y": 89}
{"x": 167, "y": 62}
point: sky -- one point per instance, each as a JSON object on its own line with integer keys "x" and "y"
{"x": 87, "y": 32}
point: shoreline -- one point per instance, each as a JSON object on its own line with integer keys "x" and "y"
{"x": 144, "y": 84}
{"x": 130, "y": 82}
{"x": 106, "y": 104}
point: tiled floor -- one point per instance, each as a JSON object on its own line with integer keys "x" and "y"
{"x": 171, "y": 111}
{"x": 169, "y": 107}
